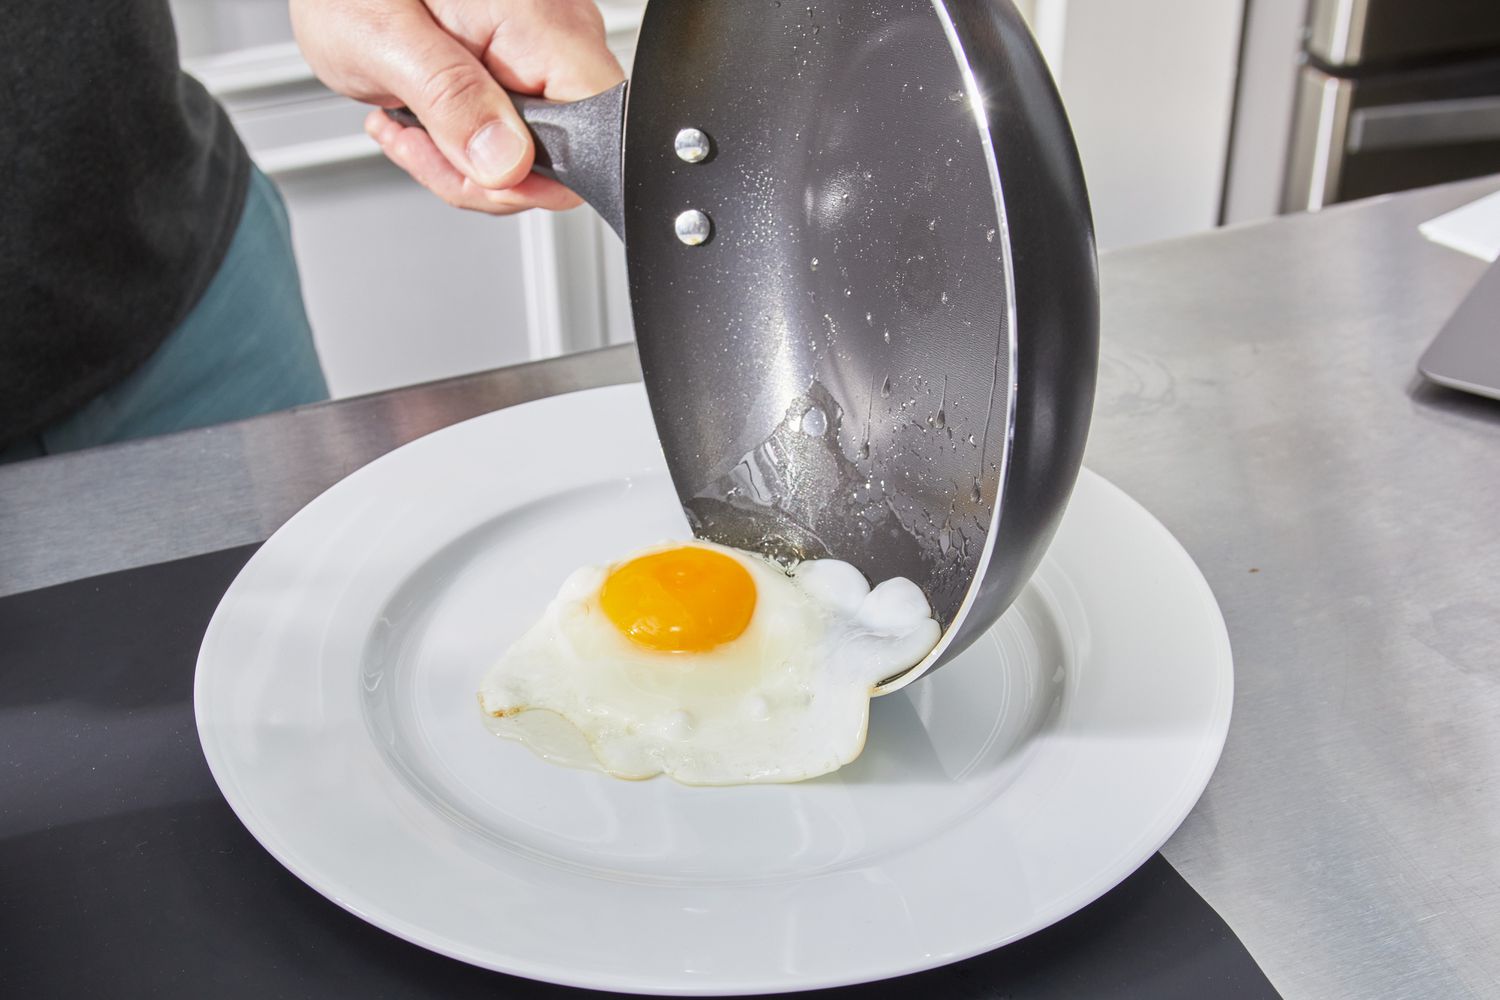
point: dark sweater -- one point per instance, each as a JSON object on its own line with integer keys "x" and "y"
{"x": 121, "y": 184}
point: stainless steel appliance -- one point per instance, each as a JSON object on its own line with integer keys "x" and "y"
{"x": 1393, "y": 95}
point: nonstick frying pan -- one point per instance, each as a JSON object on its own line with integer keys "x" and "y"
{"x": 863, "y": 279}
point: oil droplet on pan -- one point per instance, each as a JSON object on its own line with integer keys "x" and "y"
{"x": 814, "y": 422}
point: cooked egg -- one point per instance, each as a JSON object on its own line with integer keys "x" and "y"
{"x": 708, "y": 664}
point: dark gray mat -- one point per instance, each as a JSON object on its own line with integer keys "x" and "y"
{"x": 123, "y": 873}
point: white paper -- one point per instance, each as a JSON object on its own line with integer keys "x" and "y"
{"x": 1473, "y": 229}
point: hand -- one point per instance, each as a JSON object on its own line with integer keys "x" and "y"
{"x": 451, "y": 62}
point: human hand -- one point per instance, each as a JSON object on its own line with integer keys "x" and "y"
{"x": 451, "y": 62}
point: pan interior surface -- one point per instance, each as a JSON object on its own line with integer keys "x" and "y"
{"x": 831, "y": 372}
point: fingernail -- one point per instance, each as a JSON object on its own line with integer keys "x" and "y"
{"x": 494, "y": 151}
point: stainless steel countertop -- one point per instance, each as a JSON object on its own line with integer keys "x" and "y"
{"x": 1258, "y": 393}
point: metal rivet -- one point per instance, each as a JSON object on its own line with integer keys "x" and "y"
{"x": 693, "y": 146}
{"x": 693, "y": 227}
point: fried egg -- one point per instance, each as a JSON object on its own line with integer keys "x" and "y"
{"x": 708, "y": 664}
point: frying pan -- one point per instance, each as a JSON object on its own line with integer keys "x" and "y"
{"x": 863, "y": 279}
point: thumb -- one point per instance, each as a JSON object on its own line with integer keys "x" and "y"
{"x": 464, "y": 109}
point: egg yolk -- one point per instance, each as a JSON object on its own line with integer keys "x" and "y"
{"x": 685, "y": 600}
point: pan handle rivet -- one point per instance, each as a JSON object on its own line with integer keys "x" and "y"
{"x": 693, "y": 145}
{"x": 693, "y": 227}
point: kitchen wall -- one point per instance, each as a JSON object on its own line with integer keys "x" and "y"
{"x": 1149, "y": 86}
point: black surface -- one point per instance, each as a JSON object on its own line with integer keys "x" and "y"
{"x": 123, "y": 872}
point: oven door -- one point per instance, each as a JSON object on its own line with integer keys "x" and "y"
{"x": 1346, "y": 35}
{"x": 1360, "y": 135}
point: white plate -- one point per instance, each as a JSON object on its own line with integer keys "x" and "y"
{"x": 335, "y": 703}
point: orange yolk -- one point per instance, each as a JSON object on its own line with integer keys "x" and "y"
{"x": 685, "y": 600}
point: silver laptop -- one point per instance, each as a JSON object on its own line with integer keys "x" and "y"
{"x": 1466, "y": 354}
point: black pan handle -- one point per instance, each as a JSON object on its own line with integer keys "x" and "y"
{"x": 577, "y": 143}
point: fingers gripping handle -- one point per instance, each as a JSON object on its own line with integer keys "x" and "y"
{"x": 578, "y": 143}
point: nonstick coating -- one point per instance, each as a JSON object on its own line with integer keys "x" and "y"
{"x": 886, "y": 350}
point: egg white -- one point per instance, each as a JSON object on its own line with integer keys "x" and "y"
{"x": 786, "y": 700}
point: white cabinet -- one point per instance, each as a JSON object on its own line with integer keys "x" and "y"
{"x": 401, "y": 288}
{"x": 1271, "y": 57}
{"x": 210, "y": 27}
{"x": 1149, "y": 86}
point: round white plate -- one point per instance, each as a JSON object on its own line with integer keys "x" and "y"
{"x": 336, "y": 707}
